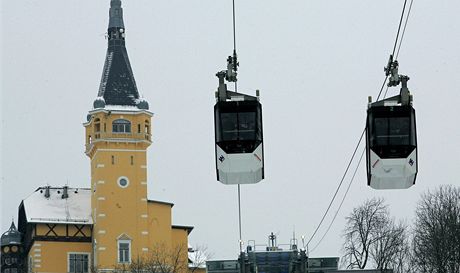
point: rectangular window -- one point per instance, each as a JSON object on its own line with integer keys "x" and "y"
{"x": 132, "y": 160}
{"x": 121, "y": 126}
{"x": 124, "y": 251}
{"x": 139, "y": 128}
{"x": 78, "y": 263}
{"x": 113, "y": 160}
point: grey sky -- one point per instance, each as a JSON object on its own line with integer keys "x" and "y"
{"x": 315, "y": 63}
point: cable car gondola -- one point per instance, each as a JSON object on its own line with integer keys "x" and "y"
{"x": 391, "y": 140}
{"x": 238, "y": 134}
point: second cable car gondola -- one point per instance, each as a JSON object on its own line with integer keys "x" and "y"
{"x": 238, "y": 134}
{"x": 391, "y": 141}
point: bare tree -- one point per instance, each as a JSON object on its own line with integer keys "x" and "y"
{"x": 160, "y": 259}
{"x": 389, "y": 245}
{"x": 436, "y": 242}
{"x": 198, "y": 257}
{"x": 361, "y": 231}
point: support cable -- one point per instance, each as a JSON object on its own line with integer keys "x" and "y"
{"x": 337, "y": 190}
{"x": 362, "y": 134}
{"x": 239, "y": 218}
{"x": 234, "y": 27}
{"x": 345, "y": 173}
{"x": 236, "y": 90}
{"x": 404, "y": 29}
{"x": 399, "y": 27}
{"x": 354, "y": 173}
{"x": 234, "y": 43}
{"x": 341, "y": 203}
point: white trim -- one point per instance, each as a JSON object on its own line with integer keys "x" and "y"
{"x": 129, "y": 251}
{"x": 37, "y": 244}
{"x": 120, "y": 150}
{"x": 84, "y": 253}
{"x": 144, "y": 199}
{"x": 145, "y": 233}
{"x": 145, "y": 249}
{"x": 143, "y": 183}
{"x": 115, "y": 150}
{"x": 101, "y": 231}
{"x": 37, "y": 265}
{"x": 144, "y": 216}
{"x": 101, "y": 248}
{"x": 37, "y": 255}
{"x": 143, "y": 166}
{"x": 101, "y": 182}
{"x": 100, "y": 166}
{"x": 125, "y": 178}
{"x": 101, "y": 215}
{"x": 37, "y": 250}
{"x": 102, "y": 198}
{"x": 37, "y": 260}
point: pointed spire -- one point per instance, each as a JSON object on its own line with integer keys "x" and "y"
{"x": 118, "y": 86}
{"x": 12, "y": 227}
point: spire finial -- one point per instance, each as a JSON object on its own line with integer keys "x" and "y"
{"x": 116, "y": 14}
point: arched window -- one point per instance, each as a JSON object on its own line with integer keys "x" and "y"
{"x": 97, "y": 125}
{"x": 147, "y": 129}
{"x": 124, "y": 249}
{"x": 121, "y": 126}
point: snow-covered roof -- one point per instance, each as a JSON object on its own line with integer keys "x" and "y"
{"x": 75, "y": 209}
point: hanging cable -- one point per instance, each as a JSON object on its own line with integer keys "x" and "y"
{"x": 345, "y": 173}
{"x": 235, "y": 61}
{"x": 337, "y": 190}
{"x": 404, "y": 29}
{"x": 239, "y": 218}
{"x": 234, "y": 27}
{"x": 341, "y": 203}
{"x": 362, "y": 134}
{"x": 235, "y": 64}
{"x": 399, "y": 27}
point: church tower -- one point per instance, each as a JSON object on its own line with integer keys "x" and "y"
{"x": 118, "y": 133}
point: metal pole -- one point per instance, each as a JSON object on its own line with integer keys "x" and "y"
{"x": 239, "y": 218}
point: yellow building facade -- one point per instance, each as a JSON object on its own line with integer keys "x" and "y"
{"x": 112, "y": 224}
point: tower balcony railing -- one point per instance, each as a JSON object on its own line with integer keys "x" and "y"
{"x": 103, "y": 136}
{"x": 112, "y": 135}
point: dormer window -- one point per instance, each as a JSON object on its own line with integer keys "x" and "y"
{"x": 121, "y": 126}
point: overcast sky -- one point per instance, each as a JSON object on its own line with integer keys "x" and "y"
{"x": 315, "y": 63}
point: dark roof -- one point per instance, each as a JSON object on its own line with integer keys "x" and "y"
{"x": 118, "y": 86}
{"x": 11, "y": 237}
{"x": 160, "y": 202}
{"x": 188, "y": 228}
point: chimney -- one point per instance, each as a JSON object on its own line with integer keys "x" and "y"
{"x": 65, "y": 193}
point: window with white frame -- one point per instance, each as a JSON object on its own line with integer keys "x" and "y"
{"x": 124, "y": 251}
{"x": 121, "y": 126}
{"x": 78, "y": 262}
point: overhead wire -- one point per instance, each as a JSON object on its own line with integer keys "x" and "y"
{"x": 337, "y": 190}
{"x": 399, "y": 27}
{"x": 344, "y": 175}
{"x": 404, "y": 29}
{"x": 341, "y": 203}
{"x": 361, "y": 137}
{"x": 236, "y": 90}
